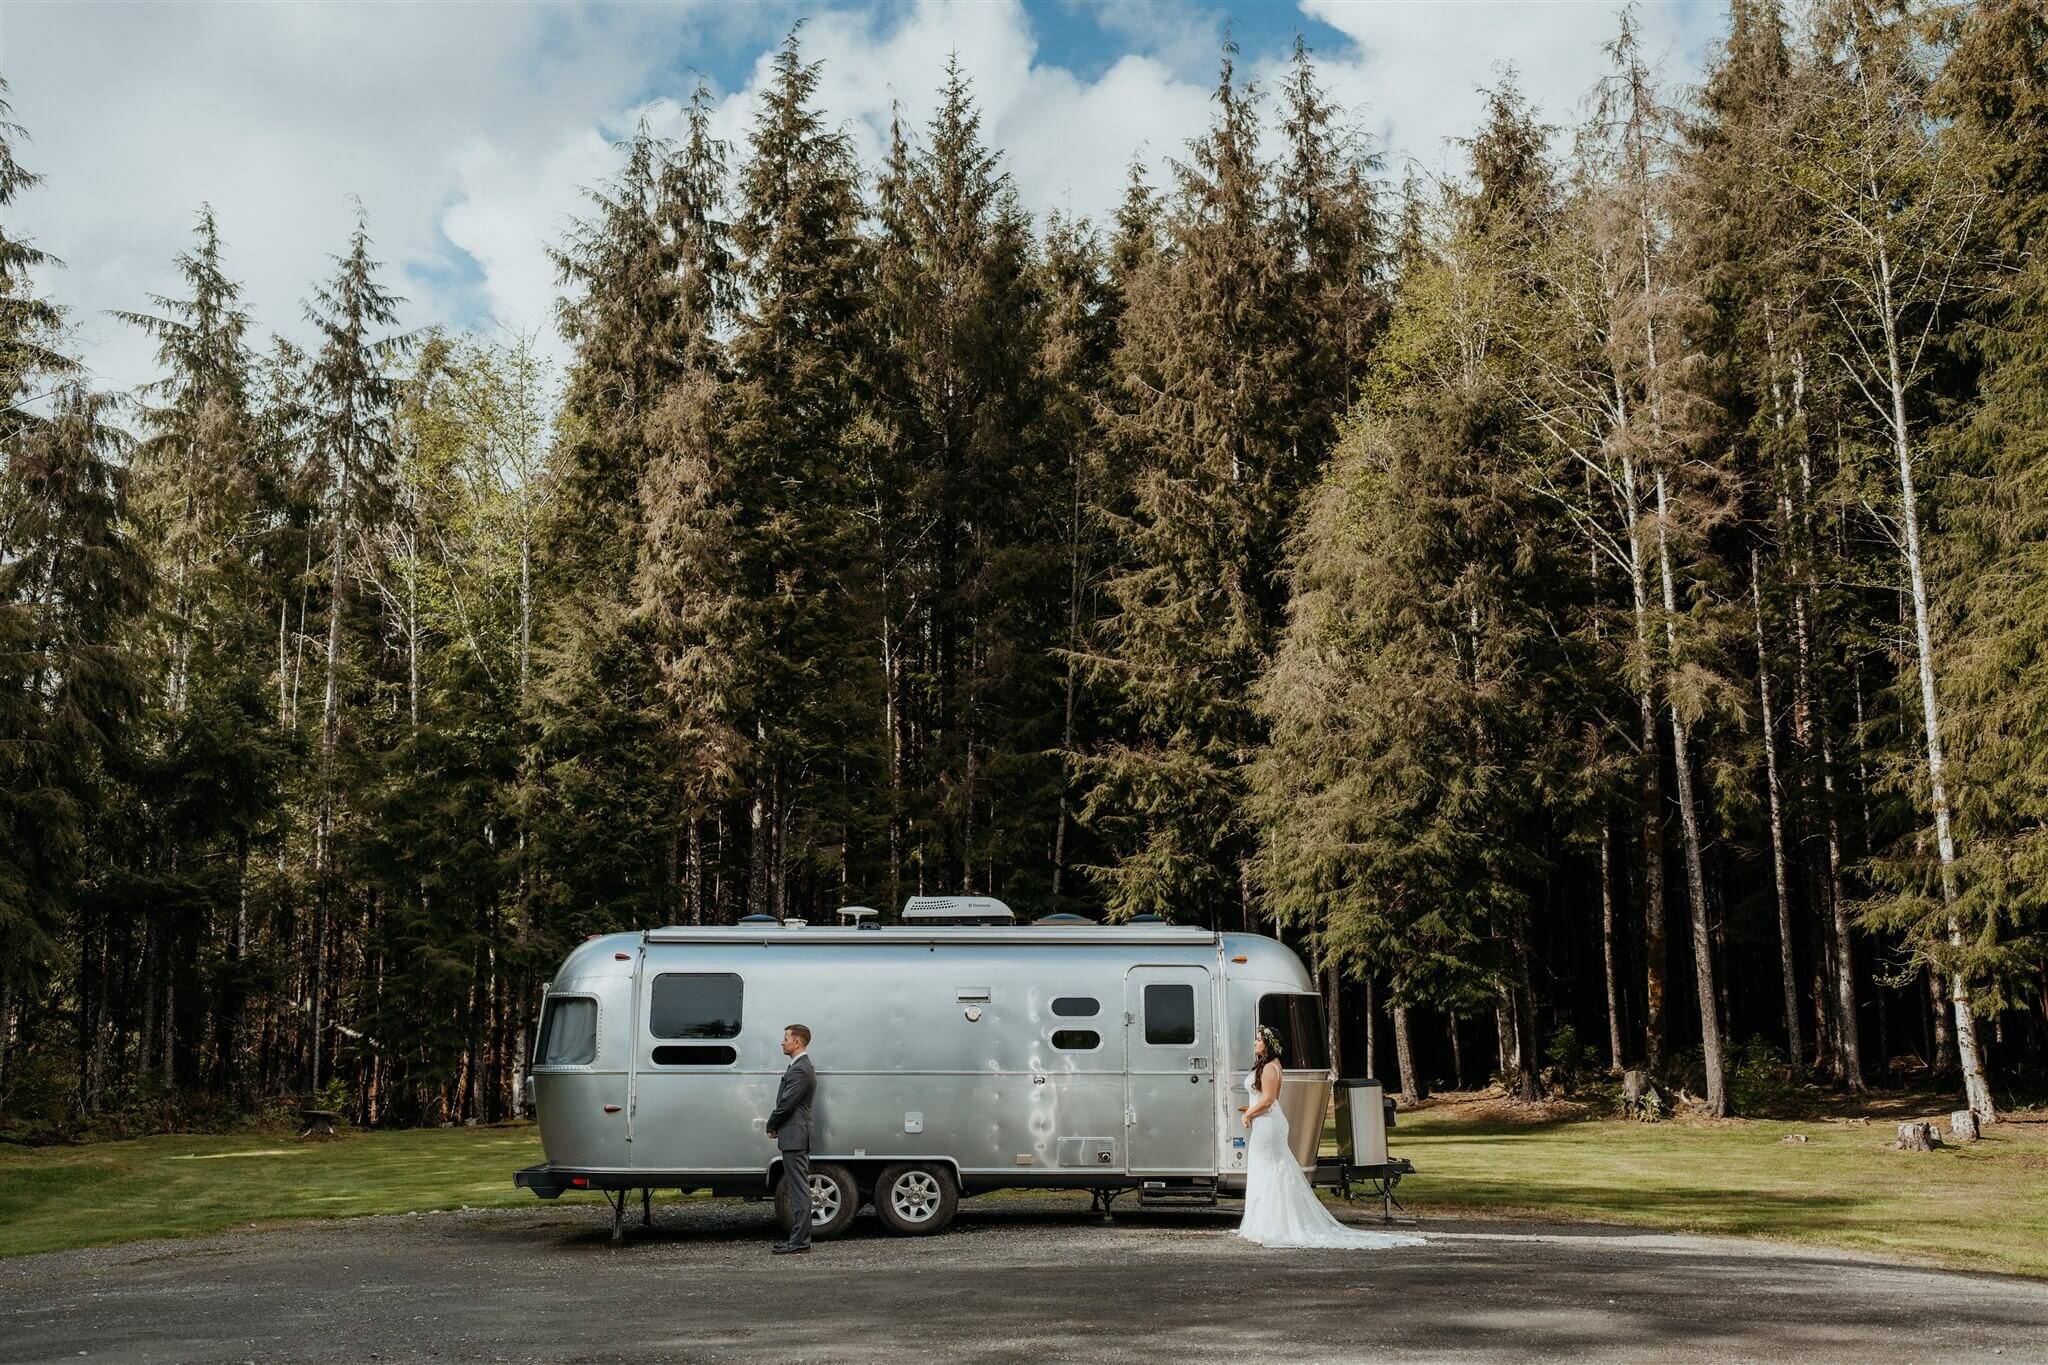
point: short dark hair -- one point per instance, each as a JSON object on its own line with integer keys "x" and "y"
{"x": 803, "y": 1034}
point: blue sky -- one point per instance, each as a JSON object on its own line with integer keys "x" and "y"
{"x": 469, "y": 130}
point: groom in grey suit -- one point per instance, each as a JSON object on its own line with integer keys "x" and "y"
{"x": 790, "y": 1125}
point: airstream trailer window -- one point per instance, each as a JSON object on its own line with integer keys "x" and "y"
{"x": 1298, "y": 1019}
{"x": 1076, "y": 1039}
{"x": 1076, "y": 1007}
{"x": 695, "y": 1005}
{"x": 695, "y": 1054}
{"x": 568, "y": 1032}
{"x": 1169, "y": 1014}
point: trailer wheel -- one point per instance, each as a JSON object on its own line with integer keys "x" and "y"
{"x": 916, "y": 1199}
{"x": 834, "y": 1200}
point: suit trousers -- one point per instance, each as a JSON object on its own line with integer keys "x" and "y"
{"x": 796, "y": 1183}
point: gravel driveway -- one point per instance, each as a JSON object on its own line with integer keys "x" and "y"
{"x": 1019, "y": 1278}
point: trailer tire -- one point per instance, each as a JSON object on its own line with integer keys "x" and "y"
{"x": 916, "y": 1199}
{"x": 835, "y": 1199}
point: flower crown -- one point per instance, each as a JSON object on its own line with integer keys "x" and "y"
{"x": 1272, "y": 1042}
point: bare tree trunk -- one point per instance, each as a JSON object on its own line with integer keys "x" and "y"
{"x": 330, "y": 739}
{"x": 145, "y": 1033}
{"x": 1333, "y": 1020}
{"x": 169, "y": 1057}
{"x": 1848, "y": 1038}
{"x": 525, "y": 612}
{"x": 1404, "y": 1056}
{"x": 284, "y": 696}
{"x": 1372, "y": 1029}
{"x": 1689, "y": 825}
{"x": 234, "y": 1018}
{"x": 892, "y": 739}
{"x": 760, "y": 852}
{"x": 6, "y": 1028}
{"x": 1944, "y": 1033}
{"x": 1795, "y": 1045}
{"x": 1528, "y": 1053}
{"x": 1976, "y": 1088}
{"x": 1457, "y": 1053}
{"x": 1606, "y": 955}
{"x": 696, "y": 879}
{"x": 1656, "y": 955}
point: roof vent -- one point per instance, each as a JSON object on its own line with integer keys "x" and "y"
{"x": 1063, "y": 917}
{"x": 759, "y": 919}
{"x": 927, "y": 911}
{"x": 1145, "y": 919}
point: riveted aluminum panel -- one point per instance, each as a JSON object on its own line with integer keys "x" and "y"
{"x": 1092, "y": 1153}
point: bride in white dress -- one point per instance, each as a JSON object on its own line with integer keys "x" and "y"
{"x": 1280, "y": 1208}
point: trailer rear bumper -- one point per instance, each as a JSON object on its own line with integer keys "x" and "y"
{"x": 540, "y": 1179}
{"x": 550, "y": 1182}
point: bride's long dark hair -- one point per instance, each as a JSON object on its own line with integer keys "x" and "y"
{"x": 1272, "y": 1057}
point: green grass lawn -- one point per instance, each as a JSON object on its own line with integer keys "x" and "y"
{"x": 57, "y": 1197}
{"x": 1984, "y": 1206}
{"x": 1981, "y": 1206}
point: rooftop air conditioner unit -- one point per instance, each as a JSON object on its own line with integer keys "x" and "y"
{"x": 930, "y": 911}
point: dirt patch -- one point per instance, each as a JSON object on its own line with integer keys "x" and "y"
{"x": 1498, "y": 1107}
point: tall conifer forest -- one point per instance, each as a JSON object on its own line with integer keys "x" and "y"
{"x": 1593, "y": 607}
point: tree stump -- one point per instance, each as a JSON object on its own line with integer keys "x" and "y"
{"x": 1640, "y": 1097}
{"x": 1917, "y": 1137}
{"x": 1962, "y": 1126}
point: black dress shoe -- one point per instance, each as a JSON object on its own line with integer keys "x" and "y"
{"x": 784, "y": 1249}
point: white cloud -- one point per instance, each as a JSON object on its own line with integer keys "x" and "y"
{"x": 277, "y": 114}
{"x": 469, "y": 131}
{"x": 1415, "y": 70}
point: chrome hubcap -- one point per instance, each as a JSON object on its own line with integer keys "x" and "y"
{"x": 824, "y": 1200}
{"x": 915, "y": 1197}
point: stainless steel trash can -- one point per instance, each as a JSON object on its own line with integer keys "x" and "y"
{"x": 1362, "y": 1122}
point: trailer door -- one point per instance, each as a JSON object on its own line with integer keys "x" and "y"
{"x": 1170, "y": 1086}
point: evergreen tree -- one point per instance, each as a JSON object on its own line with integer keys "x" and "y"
{"x": 1081, "y": 320}
{"x": 684, "y": 585}
{"x": 794, "y": 402}
{"x": 1202, "y": 368}
{"x": 962, "y": 488}
{"x": 29, "y": 325}
{"x": 72, "y": 584}
{"x": 209, "y": 508}
{"x": 352, "y": 395}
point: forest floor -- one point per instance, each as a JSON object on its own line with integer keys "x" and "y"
{"x": 1983, "y": 1206}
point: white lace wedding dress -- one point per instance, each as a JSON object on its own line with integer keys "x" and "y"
{"x": 1281, "y": 1209}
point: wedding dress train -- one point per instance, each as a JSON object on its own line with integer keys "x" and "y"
{"x": 1281, "y": 1208}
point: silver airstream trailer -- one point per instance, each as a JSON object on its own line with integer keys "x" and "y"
{"x": 956, "y": 1053}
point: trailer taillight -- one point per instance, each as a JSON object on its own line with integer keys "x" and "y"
{"x": 581, "y": 1182}
{"x": 622, "y": 957}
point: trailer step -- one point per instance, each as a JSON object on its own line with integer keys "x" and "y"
{"x": 1187, "y": 1194}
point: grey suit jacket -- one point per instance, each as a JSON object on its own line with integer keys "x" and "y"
{"x": 791, "y": 1119}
